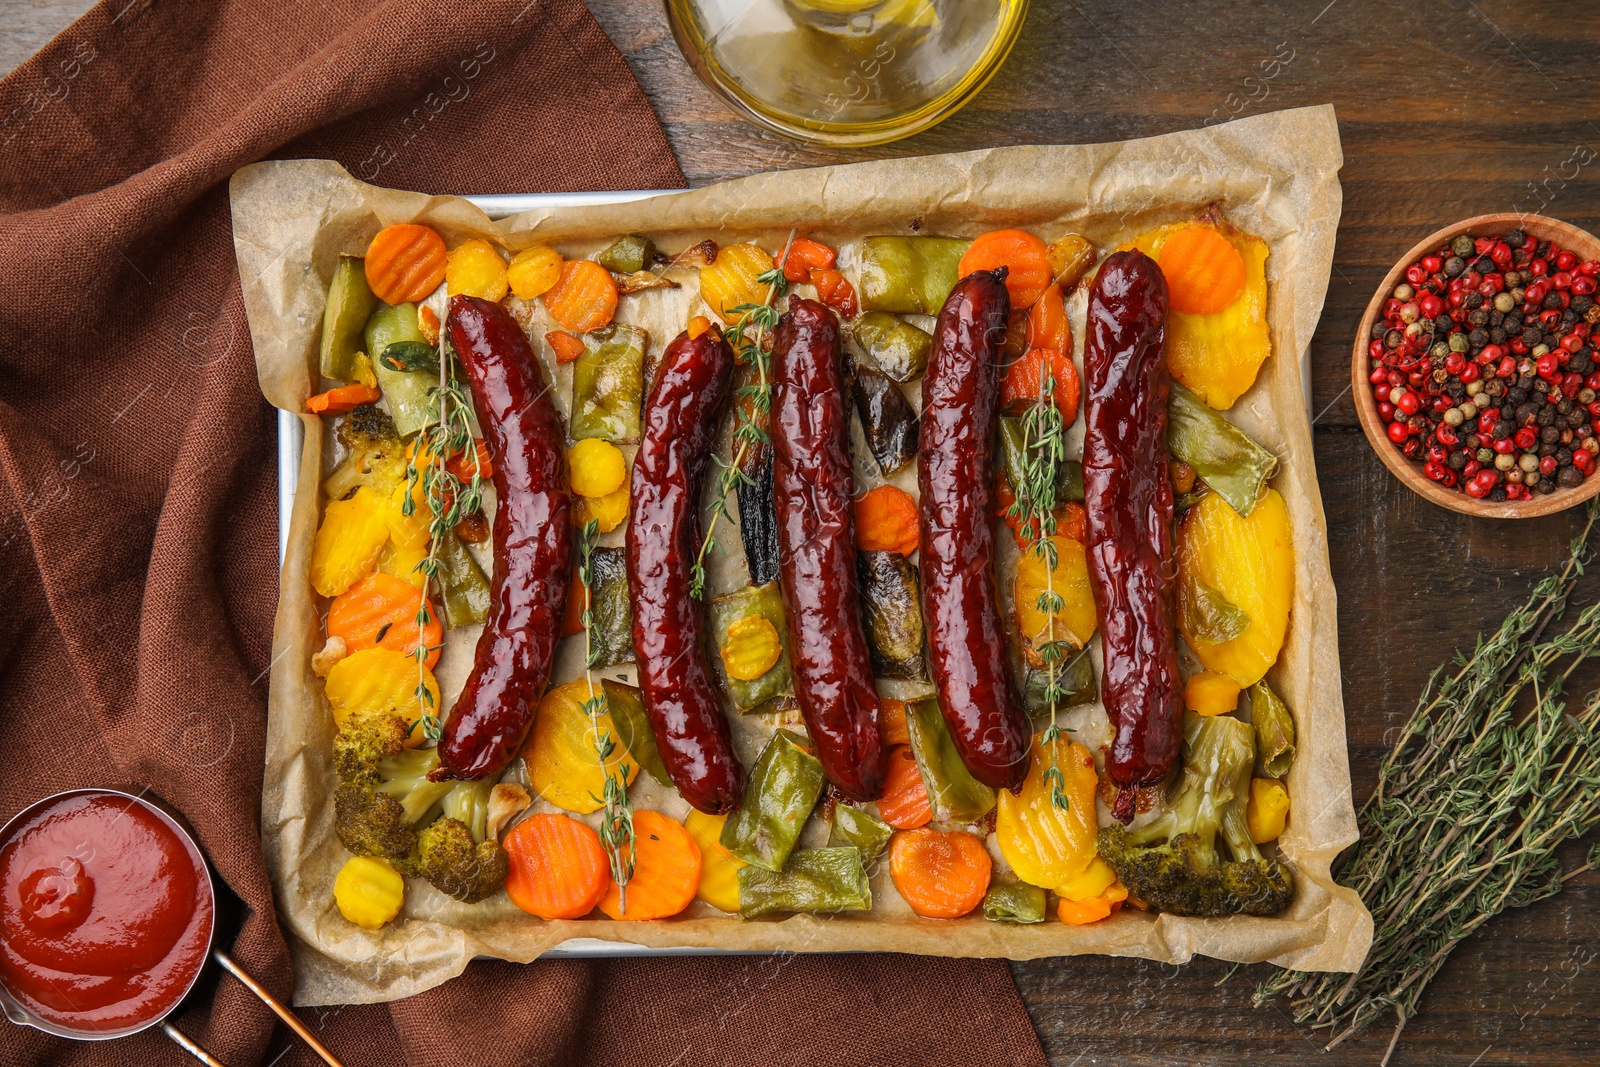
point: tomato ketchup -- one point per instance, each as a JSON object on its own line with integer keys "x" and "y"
{"x": 105, "y": 913}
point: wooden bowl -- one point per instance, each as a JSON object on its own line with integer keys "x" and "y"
{"x": 1581, "y": 243}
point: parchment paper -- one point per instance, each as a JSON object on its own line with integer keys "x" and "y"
{"x": 1275, "y": 176}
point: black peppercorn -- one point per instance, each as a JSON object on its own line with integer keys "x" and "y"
{"x": 1497, "y": 494}
{"x": 1569, "y": 318}
{"x": 1478, "y": 337}
{"x": 1393, "y": 338}
{"x": 1472, "y": 300}
{"x": 1580, "y": 304}
{"x": 1515, "y": 238}
{"x": 1548, "y": 448}
{"x": 1552, "y": 300}
{"x": 1567, "y": 477}
{"x": 1443, "y": 324}
{"x": 1516, "y": 395}
{"x": 1564, "y": 407}
{"x": 1546, "y": 486}
{"x": 1577, "y": 419}
{"x": 1525, "y": 382}
{"x": 1563, "y": 456}
{"x": 1483, "y": 264}
{"x": 1379, "y": 328}
{"x": 1480, "y": 319}
{"x": 1456, "y": 460}
{"x": 1549, "y": 434}
{"x": 1525, "y": 412}
{"x": 1504, "y": 428}
{"x": 1541, "y": 386}
{"x": 1530, "y": 335}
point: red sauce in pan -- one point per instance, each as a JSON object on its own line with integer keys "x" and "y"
{"x": 105, "y": 913}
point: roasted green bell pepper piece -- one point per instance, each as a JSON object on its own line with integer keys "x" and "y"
{"x": 465, "y": 589}
{"x": 1014, "y": 902}
{"x": 1075, "y": 684}
{"x": 773, "y": 691}
{"x": 628, "y": 254}
{"x": 953, "y": 794}
{"x": 350, "y": 304}
{"x": 817, "y": 880}
{"x": 610, "y": 612}
{"x": 887, "y": 418}
{"x": 1069, "y": 472}
{"x": 406, "y": 391}
{"x": 626, "y": 705}
{"x": 1224, "y": 456}
{"x": 1274, "y": 731}
{"x": 1208, "y": 615}
{"x": 778, "y": 797}
{"x": 908, "y": 275}
{"x": 893, "y": 345}
{"x": 608, "y": 385}
{"x": 891, "y": 611}
{"x": 856, "y": 828}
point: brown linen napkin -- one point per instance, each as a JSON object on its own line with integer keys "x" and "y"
{"x": 137, "y": 503}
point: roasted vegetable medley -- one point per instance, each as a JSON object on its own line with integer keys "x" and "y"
{"x": 935, "y": 669}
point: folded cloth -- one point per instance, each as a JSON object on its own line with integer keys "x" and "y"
{"x": 138, "y": 491}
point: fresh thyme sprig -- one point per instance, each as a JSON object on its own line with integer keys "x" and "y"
{"x": 616, "y": 827}
{"x": 1043, "y": 452}
{"x": 1471, "y": 805}
{"x": 448, "y": 499}
{"x": 748, "y": 434}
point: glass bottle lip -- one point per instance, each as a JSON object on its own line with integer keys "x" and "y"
{"x": 853, "y": 134}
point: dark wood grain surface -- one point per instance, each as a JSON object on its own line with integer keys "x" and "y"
{"x": 1447, "y": 108}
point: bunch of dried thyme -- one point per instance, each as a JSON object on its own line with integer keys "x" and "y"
{"x": 1489, "y": 777}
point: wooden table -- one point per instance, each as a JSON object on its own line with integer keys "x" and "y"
{"x": 1447, "y": 109}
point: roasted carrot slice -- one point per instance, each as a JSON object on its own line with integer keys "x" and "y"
{"x": 904, "y": 804}
{"x": 558, "y": 868}
{"x": 666, "y": 870}
{"x": 1022, "y": 384}
{"x": 584, "y": 297}
{"x": 942, "y": 875}
{"x": 341, "y": 399}
{"x": 405, "y": 262}
{"x": 1205, "y": 272}
{"x": 1047, "y": 322}
{"x": 835, "y": 291}
{"x": 1023, "y": 255}
{"x": 380, "y": 611}
{"x": 892, "y": 721}
{"x": 567, "y": 347}
{"x": 886, "y": 521}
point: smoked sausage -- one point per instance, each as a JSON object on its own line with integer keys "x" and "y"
{"x": 1128, "y": 495}
{"x": 532, "y": 542}
{"x": 813, "y": 487}
{"x": 966, "y": 640}
{"x": 680, "y": 423}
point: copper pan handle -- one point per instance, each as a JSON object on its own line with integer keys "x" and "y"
{"x": 281, "y": 1010}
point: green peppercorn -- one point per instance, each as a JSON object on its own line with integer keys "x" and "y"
{"x": 1458, "y": 342}
{"x": 1462, "y": 246}
{"x": 1485, "y": 456}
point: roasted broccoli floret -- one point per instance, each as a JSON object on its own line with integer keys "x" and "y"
{"x": 1174, "y": 862}
{"x": 454, "y": 851}
{"x": 383, "y": 787}
{"x": 374, "y": 453}
{"x": 386, "y": 806}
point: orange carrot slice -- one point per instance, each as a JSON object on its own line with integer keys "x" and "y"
{"x": 942, "y": 875}
{"x": 1205, "y": 272}
{"x": 558, "y": 868}
{"x": 892, "y": 721}
{"x": 666, "y": 870}
{"x": 405, "y": 262}
{"x": 567, "y": 347}
{"x": 1023, "y": 255}
{"x": 1047, "y": 322}
{"x": 344, "y": 398}
{"x": 380, "y": 611}
{"x": 584, "y": 297}
{"x": 1021, "y": 386}
{"x": 886, "y": 521}
{"x": 904, "y": 804}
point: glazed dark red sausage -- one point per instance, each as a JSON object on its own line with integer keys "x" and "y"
{"x": 532, "y": 542}
{"x": 813, "y": 488}
{"x": 966, "y": 640}
{"x": 1128, "y": 494}
{"x": 680, "y": 424}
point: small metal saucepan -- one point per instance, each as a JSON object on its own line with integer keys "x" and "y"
{"x": 20, "y": 1014}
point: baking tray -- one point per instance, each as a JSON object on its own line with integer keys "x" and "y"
{"x": 291, "y": 442}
